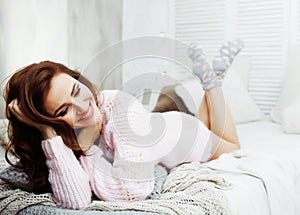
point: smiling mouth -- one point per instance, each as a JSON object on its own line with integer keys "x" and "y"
{"x": 88, "y": 114}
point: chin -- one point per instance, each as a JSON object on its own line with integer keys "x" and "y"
{"x": 96, "y": 120}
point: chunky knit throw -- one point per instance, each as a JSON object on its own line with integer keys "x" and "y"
{"x": 188, "y": 189}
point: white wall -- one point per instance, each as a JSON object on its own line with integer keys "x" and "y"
{"x": 92, "y": 26}
{"x": 142, "y": 18}
{"x": 32, "y": 31}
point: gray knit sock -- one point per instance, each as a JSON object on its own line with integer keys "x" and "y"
{"x": 201, "y": 67}
{"x": 227, "y": 53}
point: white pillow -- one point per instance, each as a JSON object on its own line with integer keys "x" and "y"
{"x": 242, "y": 106}
{"x": 291, "y": 85}
{"x": 241, "y": 65}
{"x": 291, "y": 117}
{"x": 2, "y": 106}
{"x": 3, "y": 131}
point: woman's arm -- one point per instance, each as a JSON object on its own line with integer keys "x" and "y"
{"x": 69, "y": 183}
{"x": 120, "y": 181}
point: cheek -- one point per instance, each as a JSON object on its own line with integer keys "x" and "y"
{"x": 86, "y": 92}
{"x": 69, "y": 119}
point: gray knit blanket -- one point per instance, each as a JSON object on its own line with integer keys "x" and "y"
{"x": 188, "y": 189}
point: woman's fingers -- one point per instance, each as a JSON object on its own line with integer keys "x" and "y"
{"x": 13, "y": 106}
{"x": 15, "y": 109}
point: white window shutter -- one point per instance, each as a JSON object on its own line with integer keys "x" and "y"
{"x": 198, "y": 21}
{"x": 261, "y": 25}
{"x": 298, "y": 22}
{"x": 202, "y": 21}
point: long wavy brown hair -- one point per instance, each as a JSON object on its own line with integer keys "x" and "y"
{"x": 30, "y": 87}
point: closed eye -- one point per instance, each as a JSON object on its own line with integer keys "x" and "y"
{"x": 64, "y": 112}
{"x": 77, "y": 91}
{"x": 74, "y": 93}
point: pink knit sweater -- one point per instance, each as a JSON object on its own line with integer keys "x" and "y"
{"x": 121, "y": 166}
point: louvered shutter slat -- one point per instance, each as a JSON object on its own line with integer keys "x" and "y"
{"x": 261, "y": 26}
{"x": 298, "y": 23}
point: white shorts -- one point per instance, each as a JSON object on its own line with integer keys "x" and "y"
{"x": 186, "y": 139}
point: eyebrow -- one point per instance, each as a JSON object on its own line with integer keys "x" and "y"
{"x": 72, "y": 93}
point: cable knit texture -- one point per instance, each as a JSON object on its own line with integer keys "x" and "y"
{"x": 69, "y": 182}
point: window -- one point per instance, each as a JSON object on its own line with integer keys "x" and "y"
{"x": 298, "y": 23}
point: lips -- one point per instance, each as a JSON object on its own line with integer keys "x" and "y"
{"x": 88, "y": 114}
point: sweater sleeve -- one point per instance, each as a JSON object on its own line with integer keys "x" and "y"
{"x": 121, "y": 181}
{"x": 69, "y": 182}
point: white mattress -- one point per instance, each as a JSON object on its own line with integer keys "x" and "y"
{"x": 263, "y": 134}
{"x": 265, "y": 173}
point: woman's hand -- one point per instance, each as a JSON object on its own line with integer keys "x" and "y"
{"x": 47, "y": 131}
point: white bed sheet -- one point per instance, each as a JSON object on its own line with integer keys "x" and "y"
{"x": 265, "y": 173}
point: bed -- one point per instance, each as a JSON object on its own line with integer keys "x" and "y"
{"x": 265, "y": 173}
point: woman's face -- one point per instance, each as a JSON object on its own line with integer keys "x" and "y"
{"x": 73, "y": 102}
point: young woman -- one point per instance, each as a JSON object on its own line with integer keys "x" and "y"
{"x": 73, "y": 141}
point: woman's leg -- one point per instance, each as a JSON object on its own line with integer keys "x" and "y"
{"x": 203, "y": 112}
{"x": 213, "y": 111}
{"x": 215, "y": 114}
